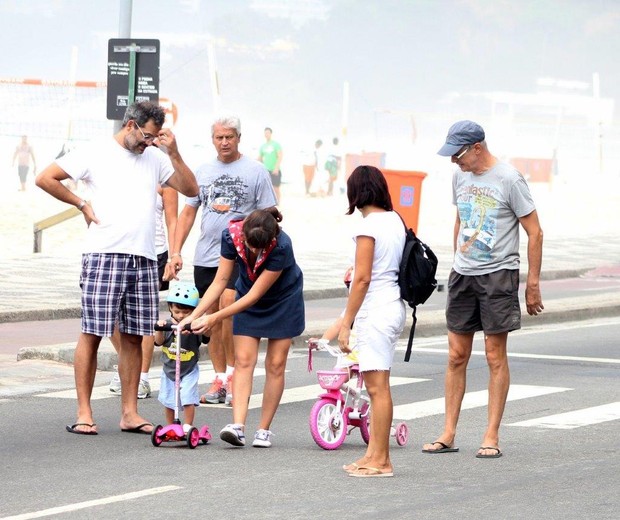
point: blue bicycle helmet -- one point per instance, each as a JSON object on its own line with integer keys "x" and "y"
{"x": 184, "y": 293}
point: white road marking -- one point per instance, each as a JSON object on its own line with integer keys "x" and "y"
{"x": 91, "y": 503}
{"x": 470, "y": 400}
{"x": 309, "y": 392}
{"x": 576, "y": 418}
{"x": 580, "y": 359}
{"x": 102, "y": 392}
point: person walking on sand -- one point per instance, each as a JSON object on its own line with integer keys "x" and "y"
{"x": 119, "y": 265}
{"x": 23, "y": 155}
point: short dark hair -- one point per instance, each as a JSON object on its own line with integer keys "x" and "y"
{"x": 267, "y": 128}
{"x": 143, "y": 111}
{"x": 261, "y": 226}
{"x": 367, "y": 186}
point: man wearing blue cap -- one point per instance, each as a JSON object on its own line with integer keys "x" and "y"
{"x": 492, "y": 199}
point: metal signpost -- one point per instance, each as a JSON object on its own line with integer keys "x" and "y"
{"x": 133, "y": 74}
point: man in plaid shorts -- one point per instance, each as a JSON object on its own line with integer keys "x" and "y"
{"x": 119, "y": 266}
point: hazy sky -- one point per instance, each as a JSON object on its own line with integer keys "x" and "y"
{"x": 283, "y": 62}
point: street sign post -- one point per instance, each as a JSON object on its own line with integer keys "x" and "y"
{"x": 133, "y": 74}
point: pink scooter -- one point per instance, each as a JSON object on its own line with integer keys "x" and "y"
{"x": 174, "y": 432}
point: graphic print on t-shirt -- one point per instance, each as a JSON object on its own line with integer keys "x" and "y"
{"x": 226, "y": 194}
{"x": 477, "y": 206}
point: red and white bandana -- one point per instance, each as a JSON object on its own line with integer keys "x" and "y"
{"x": 235, "y": 228}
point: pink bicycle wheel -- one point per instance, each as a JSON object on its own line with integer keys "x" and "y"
{"x": 365, "y": 422}
{"x": 327, "y": 427}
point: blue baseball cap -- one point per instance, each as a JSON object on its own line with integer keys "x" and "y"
{"x": 460, "y": 134}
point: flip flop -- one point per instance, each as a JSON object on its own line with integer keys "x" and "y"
{"x": 444, "y": 448}
{"x": 368, "y": 472}
{"x": 494, "y": 456}
{"x": 138, "y": 429}
{"x": 73, "y": 428}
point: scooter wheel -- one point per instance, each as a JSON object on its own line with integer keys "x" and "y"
{"x": 193, "y": 437}
{"x": 402, "y": 434}
{"x": 155, "y": 438}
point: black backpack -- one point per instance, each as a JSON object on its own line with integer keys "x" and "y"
{"x": 416, "y": 276}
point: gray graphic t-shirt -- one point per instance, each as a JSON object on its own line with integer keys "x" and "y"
{"x": 489, "y": 206}
{"x": 227, "y": 191}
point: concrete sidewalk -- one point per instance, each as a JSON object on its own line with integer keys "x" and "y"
{"x": 581, "y": 234}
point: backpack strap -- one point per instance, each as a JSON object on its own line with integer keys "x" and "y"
{"x": 411, "y": 333}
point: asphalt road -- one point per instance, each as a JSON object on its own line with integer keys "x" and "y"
{"x": 559, "y": 437}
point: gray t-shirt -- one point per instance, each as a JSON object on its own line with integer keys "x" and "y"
{"x": 227, "y": 191}
{"x": 489, "y": 207}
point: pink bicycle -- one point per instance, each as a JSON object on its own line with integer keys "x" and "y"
{"x": 344, "y": 405}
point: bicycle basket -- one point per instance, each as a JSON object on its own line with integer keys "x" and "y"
{"x": 332, "y": 379}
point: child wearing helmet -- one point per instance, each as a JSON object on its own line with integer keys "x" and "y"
{"x": 182, "y": 300}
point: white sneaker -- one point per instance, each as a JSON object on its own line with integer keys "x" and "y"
{"x": 233, "y": 434}
{"x": 144, "y": 389}
{"x": 115, "y": 384}
{"x": 262, "y": 439}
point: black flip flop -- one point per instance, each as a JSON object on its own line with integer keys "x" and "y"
{"x": 494, "y": 456}
{"x": 73, "y": 428}
{"x": 444, "y": 448}
{"x": 138, "y": 429}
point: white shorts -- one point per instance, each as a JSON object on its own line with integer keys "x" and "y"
{"x": 189, "y": 390}
{"x": 377, "y": 331}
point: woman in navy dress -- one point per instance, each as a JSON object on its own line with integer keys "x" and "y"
{"x": 269, "y": 305}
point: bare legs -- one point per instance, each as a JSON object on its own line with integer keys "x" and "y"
{"x": 221, "y": 346}
{"x": 246, "y": 355}
{"x": 460, "y": 346}
{"x": 85, "y": 368}
{"x": 377, "y": 454}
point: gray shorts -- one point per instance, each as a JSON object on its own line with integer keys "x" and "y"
{"x": 488, "y": 302}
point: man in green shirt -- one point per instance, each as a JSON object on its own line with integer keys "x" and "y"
{"x": 270, "y": 154}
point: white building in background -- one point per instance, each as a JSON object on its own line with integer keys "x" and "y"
{"x": 565, "y": 123}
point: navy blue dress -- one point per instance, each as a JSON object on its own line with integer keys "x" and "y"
{"x": 280, "y": 313}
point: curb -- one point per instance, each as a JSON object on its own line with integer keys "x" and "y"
{"x": 310, "y": 294}
{"x": 429, "y": 324}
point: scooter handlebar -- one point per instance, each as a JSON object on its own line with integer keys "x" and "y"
{"x": 170, "y": 326}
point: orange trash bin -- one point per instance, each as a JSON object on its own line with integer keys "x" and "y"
{"x": 405, "y": 188}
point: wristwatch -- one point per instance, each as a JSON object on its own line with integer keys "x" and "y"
{"x": 81, "y": 204}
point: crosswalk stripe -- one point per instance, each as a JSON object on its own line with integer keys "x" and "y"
{"x": 102, "y": 392}
{"x": 309, "y": 392}
{"x": 470, "y": 400}
{"x": 576, "y": 418}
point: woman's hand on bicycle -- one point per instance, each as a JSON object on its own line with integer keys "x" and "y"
{"x": 343, "y": 339}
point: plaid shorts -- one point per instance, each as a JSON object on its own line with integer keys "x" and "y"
{"x": 119, "y": 288}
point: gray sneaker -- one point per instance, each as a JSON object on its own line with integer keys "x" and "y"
{"x": 233, "y": 434}
{"x": 216, "y": 393}
{"x": 144, "y": 389}
{"x": 115, "y": 384}
{"x": 262, "y": 439}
